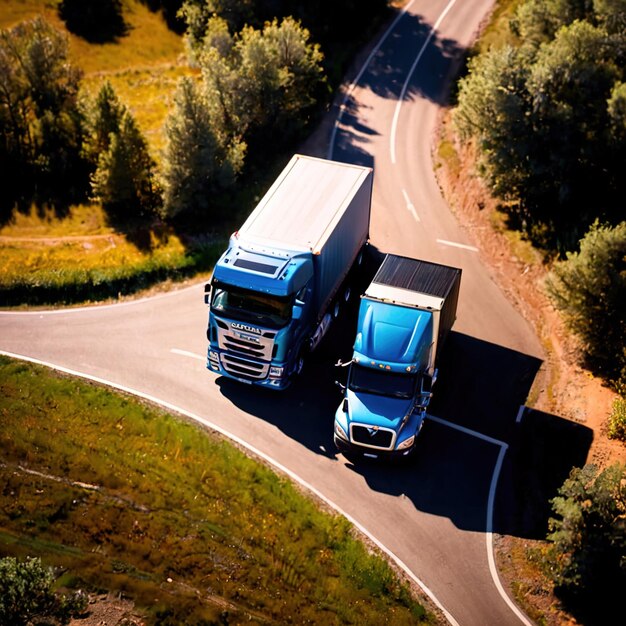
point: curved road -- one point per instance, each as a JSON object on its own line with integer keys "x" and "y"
{"x": 434, "y": 518}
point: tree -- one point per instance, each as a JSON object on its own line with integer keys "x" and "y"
{"x": 198, "y": 162}
{"x": 588, "y": 536}
{"x": 549, "y": 143}
{"x": 494, "y": 107}
{"x": 537, "y": 21}
{"x": 589, "y": 288}
{"x": 261, "y": 83}
{"x": 125, "y": 181}
{"x": 40, "y": 121}
{"x": 27, "y": 596}
{"x": 103, "y": 117}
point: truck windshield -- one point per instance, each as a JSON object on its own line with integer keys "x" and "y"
{"x": 251, "y": 306}
{"x": 381, "y": 382}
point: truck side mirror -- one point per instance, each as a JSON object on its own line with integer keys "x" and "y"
{"x": 207, "y": 293}
{"x": 340, "y": 385}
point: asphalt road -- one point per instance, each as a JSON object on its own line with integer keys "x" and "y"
{"x": 436, "y": 516}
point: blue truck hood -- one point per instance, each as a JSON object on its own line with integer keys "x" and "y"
{"x": 366, "y": 408}
{"x": 278, "y": 275}
{"x": 393, "y": 335}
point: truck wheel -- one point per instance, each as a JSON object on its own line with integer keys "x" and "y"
{"x": 299, "y": 365}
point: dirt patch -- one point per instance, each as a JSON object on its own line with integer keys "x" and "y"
{"x": 562, "y": 387}
{"x": 109, "y": 610}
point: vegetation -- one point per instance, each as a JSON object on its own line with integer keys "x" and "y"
{"x": 617, "y": 419}
{"x": 588, "y": 563}
{"x": 546, "y": 110}
{"x": 544, "y": 101}
{"x": 122, "y": 496}
{"x": 589, "y": 287}
{"x": 27, "y": 595}
{"x": 145, "y": 134}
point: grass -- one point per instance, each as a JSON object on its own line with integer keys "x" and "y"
{"x": 126, "y": 498}
{"x": 47, "y": 260}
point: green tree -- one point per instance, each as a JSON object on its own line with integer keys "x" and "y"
{"x": 198, "y": 162}
{"x": 494, "y": 107}
{"x": 103, "y": 117}
{"x": 40, "y": 120}
{"x": 537, "y": 21}
{"x": 549, "y": 142}
{"x": 27, "y": 595}
{"x": 588, "y": 536}
{"x": 125, "y": 179}
{"x": 261, "y": 84}
{"x": 589, "y": 288}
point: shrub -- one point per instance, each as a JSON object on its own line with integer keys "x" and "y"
{"x": 588, "y": 553}
{"x": 27, "y": 596}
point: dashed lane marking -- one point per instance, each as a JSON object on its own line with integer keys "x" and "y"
{"x": 410, "y": 206}
{"x": 454, "y": 244}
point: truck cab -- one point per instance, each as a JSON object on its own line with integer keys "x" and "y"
{"x": 260, "y": 308}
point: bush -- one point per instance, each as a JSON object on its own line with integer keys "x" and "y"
{"x": 589, "y": 288}
{"x": 588, "y": 553}
{"x": 27, "y": 597}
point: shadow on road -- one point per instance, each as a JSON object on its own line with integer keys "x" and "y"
{"x": 386, "y": 75}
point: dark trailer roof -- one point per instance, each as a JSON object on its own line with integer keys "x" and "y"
{"x": 418, "y": 276}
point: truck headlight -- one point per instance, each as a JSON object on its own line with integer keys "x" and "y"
{"x": 407, "y": 443}
{"x": 276, "y": 372}
{"x": 214, "y": 358}
{"x": 340, "y": 432}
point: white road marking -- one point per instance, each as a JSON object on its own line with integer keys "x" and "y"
{"x": 410, "y": 206}
{"x": 490, "y": 506}
{"x": 189, "y": 354}
{"x": 354, "y": 83}
{"x": 454, "y": 244}
{"x": 396, "y": 115}
{"x": 520, "y": 414}
{"x": 256, "y": 452}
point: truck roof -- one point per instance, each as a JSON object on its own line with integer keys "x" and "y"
{"x": 413, "y": 282}
{"x": 302, "y": 207}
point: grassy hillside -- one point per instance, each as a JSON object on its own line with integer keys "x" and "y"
{"x": 123, "y": 497}
{"x": 78, "y": 256}
{"x": 143, "y": 66}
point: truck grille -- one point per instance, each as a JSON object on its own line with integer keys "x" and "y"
{"x": 364, "y": 435}
{"x": 255, "y": 346}
{"x": 244, "y": 368}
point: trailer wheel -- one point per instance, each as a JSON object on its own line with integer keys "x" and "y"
{"x": 336, "y": 310}
{"x": 347, "y": 294}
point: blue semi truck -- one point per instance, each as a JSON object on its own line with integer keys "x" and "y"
{"x": 404, "y": 318}
{"x": 281, "y": 281}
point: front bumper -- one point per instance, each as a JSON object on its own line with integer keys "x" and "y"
{"x": 277, "y": 383}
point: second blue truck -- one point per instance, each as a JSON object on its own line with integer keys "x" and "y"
{"x": 404, "y": 318}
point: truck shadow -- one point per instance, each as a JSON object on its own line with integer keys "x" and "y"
{"x": 473, "y": 415}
